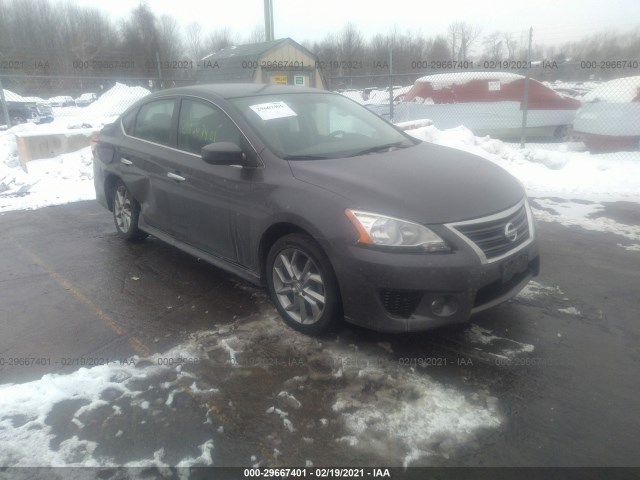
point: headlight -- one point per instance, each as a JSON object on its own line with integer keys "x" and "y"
{"x": 386, "y": 231}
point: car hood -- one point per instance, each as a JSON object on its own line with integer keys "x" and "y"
{"x": 427, "y": 183}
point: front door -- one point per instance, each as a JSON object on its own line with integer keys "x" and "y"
{"x": 208, "y": 195}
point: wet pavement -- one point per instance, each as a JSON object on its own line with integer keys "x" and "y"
{"x": 163, "y": 360}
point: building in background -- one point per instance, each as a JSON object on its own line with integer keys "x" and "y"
{"x": 281, "y": 61}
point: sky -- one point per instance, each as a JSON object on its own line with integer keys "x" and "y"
{"x": 557, "y": 22}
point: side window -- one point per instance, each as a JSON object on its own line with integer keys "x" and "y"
{"x": 127, "y": 121}
{"x": 201, "y": 124}
{"x": 153, "y": 122}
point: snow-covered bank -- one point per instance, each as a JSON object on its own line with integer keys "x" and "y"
{"x": 568, "y": 184}
{"x": 53, "y": 181}
{"x": 67, "y": 177}
{"x": 550, "y": 170}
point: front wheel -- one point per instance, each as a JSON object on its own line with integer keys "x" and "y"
{"x": 126, "y": 212}
{"x": 302, "y": 284}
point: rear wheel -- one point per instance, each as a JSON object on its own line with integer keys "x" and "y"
{"x": 126, "y": 212}
{"x": 302, "y": 284}
{"x": 563, "y": 133}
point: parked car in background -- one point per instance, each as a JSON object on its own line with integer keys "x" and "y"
{"x": 488, "y": 103}
{"x": 338, "y": 213}
{"x": 25, "y": 109}
{"x": 45, "y": 112}
{"x": 62, "y": 101}
{"x": 609, "y": 119}
{"x": 86, "y": 99}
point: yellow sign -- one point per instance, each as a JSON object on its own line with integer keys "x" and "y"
{"x": 280, "y": 79}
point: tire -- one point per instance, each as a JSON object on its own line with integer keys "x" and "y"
{"x": 302, "y": 284}
{"x": 563, "y": 133}
{"x": 126, "y": 212}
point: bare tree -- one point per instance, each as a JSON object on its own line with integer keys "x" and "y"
{"x": 219, "y": 39}
{"x": 493, "y": 46}
{"x": 171, "y": 46}
{"x": 439, "y": 49}
{"x": 194, "y": 41}
{"x": 256, "y": 35}
{"x": 462, "y": 37}
{"x": 140, "y": 37}
{"x": 510, "y": 44}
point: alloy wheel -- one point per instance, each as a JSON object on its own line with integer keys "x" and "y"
{"x": 122, "y": 209}
{"x": 299, "y": 286}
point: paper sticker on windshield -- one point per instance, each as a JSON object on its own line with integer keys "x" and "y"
{"x": 271, "y": 110}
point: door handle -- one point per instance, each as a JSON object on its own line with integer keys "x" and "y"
{"x": 176, "y": 177}
{"x": 126, "y": 161}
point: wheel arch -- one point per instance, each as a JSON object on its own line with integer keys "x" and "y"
{"x": 271, "y": 236}
{"x": 109, "y": 184}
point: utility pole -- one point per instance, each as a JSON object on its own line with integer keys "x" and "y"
{"x": 268, "y": 20}
{"x": 4, "y": 105}
{"x": 391, "y": 79}
{"x": 525, "y": 101}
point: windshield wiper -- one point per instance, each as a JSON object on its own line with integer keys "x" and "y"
{"x": 380, "y": 148}
{"x": 305, "y": 157}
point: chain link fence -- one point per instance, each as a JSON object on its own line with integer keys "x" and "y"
{"x": 543, "y": 103}
{"x": 595, "y": 103}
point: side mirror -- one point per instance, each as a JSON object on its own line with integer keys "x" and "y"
{"x": 223, "y": 153}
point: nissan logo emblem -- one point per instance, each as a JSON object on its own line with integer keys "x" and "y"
{"x": 510, "y": 232}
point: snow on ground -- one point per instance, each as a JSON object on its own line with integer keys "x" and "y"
{"x": 568, "y": 184}
{"x": 31, "y": 433}
{"x": 54, "y": 181}
{"x": 379, "y": 406}
{"x": 440, "y": 81}
{"x": 621, "y": 90}
{"x": 67, "y": 177}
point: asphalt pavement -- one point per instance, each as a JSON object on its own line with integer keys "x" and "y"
{"x": 548, "y": 379}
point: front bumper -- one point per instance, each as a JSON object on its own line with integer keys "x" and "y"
{"x": 395, "y": 292}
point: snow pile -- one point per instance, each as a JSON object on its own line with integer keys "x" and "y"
{"x": 440, "y": 81}
{"x": 576, "y": 181}
{"x": 115, "y": 101}
{"x": 53, "y": 181}
{"x": 10, "y": 96}
{"x": 356, "y": 96}
{"x": 546, "y": 172}
{"x": 621, "y": 90}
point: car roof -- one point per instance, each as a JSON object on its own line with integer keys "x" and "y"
{"x": 235, "y": 90}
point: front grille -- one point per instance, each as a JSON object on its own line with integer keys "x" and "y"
{"x": 489, "y": 234}
{"x": 400, "y": 303}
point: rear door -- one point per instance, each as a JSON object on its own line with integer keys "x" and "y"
{"x": 145, "y": 154}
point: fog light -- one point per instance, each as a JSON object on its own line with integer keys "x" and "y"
{"x": 444, "y": 306}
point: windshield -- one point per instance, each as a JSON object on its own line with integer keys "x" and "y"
{"x": 306, "y": 126}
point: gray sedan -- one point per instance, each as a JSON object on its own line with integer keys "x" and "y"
{"x": 338, "y": 213}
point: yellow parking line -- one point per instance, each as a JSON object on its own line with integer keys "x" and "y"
{"x": 111, "y": 322}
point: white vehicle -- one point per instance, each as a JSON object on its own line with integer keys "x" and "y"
{"x": 609, "y": 119}
{"x": 62, "y": 101}
{"x": 488, "y": 103}
{"x": 86, "y": 99}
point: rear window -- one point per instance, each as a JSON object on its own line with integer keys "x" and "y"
{"x": 153, "y": 122}
{"x": 127, "y": 121}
